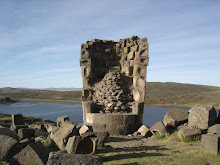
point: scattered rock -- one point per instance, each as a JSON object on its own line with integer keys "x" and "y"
{"x": 71, "y": 146}
{"x": 175, "y": 117}
{"x": 211, "y": 143}
{"x": 8, "y": 147}
{"x": 202, "y": 117}
{"x": 144, "y": 131}
{"x": 76, "y": 159}
{"x": 62, "y": 120}
{"x": 41, "y": 132}
{"x": 8, "y": 132}
{"x": 188, "y": 132}
{"x": 84, "y": 129}
{"x": 26, "y": 133}
{"x": 15, "y": 128}
{"x": 62, "y": 135}
{"x": 17, "y": 119}
{"x": 215, "y": 129}
{"x": 158, "y": 128}
{"x": 32, "y": 154}
{"x": 102, "y": 137}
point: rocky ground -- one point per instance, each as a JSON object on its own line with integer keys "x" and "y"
{"x": 153, "y": 151}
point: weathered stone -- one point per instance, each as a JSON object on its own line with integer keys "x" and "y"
{"x": 175, "y": 117}
{"x": 86, "y": 146}
{"x": 8, "y": 132}
{"x": 211, "y": 143}
{"x": 56, "y": 158}
{"x": 8, "y": 147}
{"x": 61, "y": 120}
{"x": 34, "y": 154}
{"x": 26, "y": 133}
{"x": 27, "y": 140}
{"x": 99, "y": 127}
{"x": 202, "y": 117}
{"x": 17, "y": 119}
{"x": 144, "y": 131}
{"x": 41, "y": 132}
{"x": 51, "y": 129}
{"x": 102, "y": 137}
{"x": 62, "y": 135}
{"x": 15, "y": 128}
{"x": 39, "y": 126}
{"x": 215, "y": 129}
{"x": 72, "y": 144}
{"x": 84, "y": 129}
{"x": 188, "y": 132}
{"x": 158, "y": 128}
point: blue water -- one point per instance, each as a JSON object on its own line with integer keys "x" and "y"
{"x": 52, "y": 110}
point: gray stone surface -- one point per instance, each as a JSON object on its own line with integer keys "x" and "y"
{"x": 32, "y": 154}
{"x": 41, "y": 132}
{"x": 175, "y": 117}
{"x": 215, "y": 129}
{"x": 144, "y": 131}
{"x": 8, "y": 147}
{"x": 211, "y": 143}
{"x": 24, "y": 133}
{"x": 62, "y": 120}
{"x": 84, "y": 129}
{"x": 158, "y": 128}
{"x": 72, "y": 144}
{"x": 62, "y": 135}
{"x": 17, "y": 119}
{"x": 8, "y": 132}
{"x": 15, "y": 128}
{"x": 202, "y": 117}
{"x": 188, "y": 132}
{"x": 56, "y": 158}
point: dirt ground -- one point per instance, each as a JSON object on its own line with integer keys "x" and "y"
{"x": 123, "y": 150}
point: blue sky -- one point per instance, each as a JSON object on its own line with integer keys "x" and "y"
{"x": 40, "y": 39}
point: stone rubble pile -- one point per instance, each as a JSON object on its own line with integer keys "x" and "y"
{"x": 25, "y": 144}
{"x": 111, "y": 95}
{"x": 200, "y": 119}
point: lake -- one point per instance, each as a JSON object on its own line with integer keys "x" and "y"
{"x": 52, "y": 110}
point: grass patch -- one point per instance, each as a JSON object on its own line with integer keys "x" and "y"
{"x": 158, "y": 136}
{"x": 191, "y": 139}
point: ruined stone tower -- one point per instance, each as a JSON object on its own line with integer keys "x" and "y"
{"x": 114, "y": 80}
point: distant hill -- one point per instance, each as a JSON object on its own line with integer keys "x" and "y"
{"x": 157, "y": 93}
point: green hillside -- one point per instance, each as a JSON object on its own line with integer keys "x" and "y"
{"x": 157, "y": 93}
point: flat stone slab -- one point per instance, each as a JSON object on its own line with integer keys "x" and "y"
{"x": 188, "y": 132}
{"x": 211, "y": 143}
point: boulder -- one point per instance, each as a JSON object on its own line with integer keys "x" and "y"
{"x": 40, "y": 132}
{"x": 84, "y": 129}
{"x": 25, "y": 133}
{"x": 51, "y": 129}
{"x": 87, "y": 145}
{"x": 202, "y": 117}
{"x": 62, "y": 135}
{"x": 8, "y": 147}
{"x": 215, "y": 129}
{"x": 144, "y": 131}
{"x": 39, "y": 126}
{"x": 158, "y": 128}
{"x": 188, "y": 132}
{"x": 102, "y": 137}
{"x": 62, "y": 120}
{"x": 17, "y": 119}
{"x": 211, "y": 143}
{"x": 175, "y": 117}
{"x": 76, "y": 159}
{"x": 32, "y": 154}
{"x": 72, "y": 144}
{"x": 8, "y": 132}
{"x": 15, "y": 128}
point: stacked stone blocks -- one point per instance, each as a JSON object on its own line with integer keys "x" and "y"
{"x": 114, "y": 79}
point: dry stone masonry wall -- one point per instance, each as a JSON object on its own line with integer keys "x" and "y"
{"x": 114, "y": 77}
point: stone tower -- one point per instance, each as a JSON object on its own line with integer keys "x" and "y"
{"x": 114, "y": 82}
